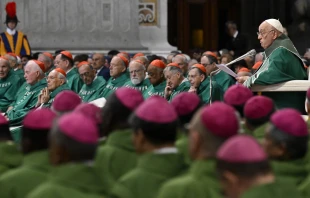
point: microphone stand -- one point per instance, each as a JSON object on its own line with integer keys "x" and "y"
{"x": 211, "y": 87}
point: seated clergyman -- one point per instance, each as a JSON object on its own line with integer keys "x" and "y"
{"x": 56, "y": 82}
{"x": 27, "y": 94}
{"x": 9, "y": 84}
{"x": 93, "y": 85}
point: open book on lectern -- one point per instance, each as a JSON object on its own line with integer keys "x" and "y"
{"x": 227, "y": 70}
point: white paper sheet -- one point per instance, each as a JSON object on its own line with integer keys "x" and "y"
{"x": 227, "y": 70}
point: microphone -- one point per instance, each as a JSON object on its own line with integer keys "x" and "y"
{"x": 249, "y": 53}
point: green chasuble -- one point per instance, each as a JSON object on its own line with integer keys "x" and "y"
{"x": 92, "y": 92}
{"x": 114, "y": 83}
{"x": 277, "y": 189}
{"x": 49, "y": 70}
{"x": 282, "y": 63}
{"x": 19, "y": 182}
{"x": 200, "y": 182}
{"x": 72, "y": 180}
{"x": 115, "y": 158}
{"x": 8, "y": 90}
{"x": 153, "y": 169}
{"x": 54, "y": 93}
{"x": 204, "y": 91}
{"x": 10, "y": 156}
{"x": 182, "y": 146}
{"x": 223, "y": 80}
{"x": 291, "y": 171}
{"x": 258, "y": 133}
{"x": 183, "y": 87}
{"x": 144, "y": 85}
{"x": 25, "y": 102}
{"x": 20, "y": 73}
{"x": 155, "y": 90}
{"x": 74, "y": 81}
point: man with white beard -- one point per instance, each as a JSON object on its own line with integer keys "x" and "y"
{"x": 137, "y": 76}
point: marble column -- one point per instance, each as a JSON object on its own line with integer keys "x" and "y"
{"x": 79, "y": 25}
{"x": 153, "y": 26}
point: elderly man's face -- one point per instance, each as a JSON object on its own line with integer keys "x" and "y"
{"x": 155, "y": 75}
{"x": 137, "y": 72}
{"x": 53, "y": 80}
{"x": 116, "y": 67}
{"x": 181, "y": 62}
{"x": 173, "y": 79}
{"x": 31, "y": 75}
{"x": 87, "y": 74}
{"x": 266, "y": 35}
{"x": 195, "y": 78}
{"x": 4, "y": 68}
{"x": 59, "y": 63}
{"x": 97, "y": 61}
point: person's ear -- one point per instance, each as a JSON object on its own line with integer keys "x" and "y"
{"x": 139, "y": 140}
{"x": 230, "y": 178}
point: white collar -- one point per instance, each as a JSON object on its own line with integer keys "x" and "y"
{"x": 236, "y": 34}
{"x": 69, "y": 70}
{"x": 10, "y": 32}
{"x": 166, "y": 150}
{"x": 99, "y": 70}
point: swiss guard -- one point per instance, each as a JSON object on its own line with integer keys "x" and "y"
{"x": 12, "y": 40}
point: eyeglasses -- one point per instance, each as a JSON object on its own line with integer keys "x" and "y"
{"x": 135, "y": 71}
{"x": 191, "y": 76}
{"x": 263, "y": 33}
{"x": 205, "y": 65}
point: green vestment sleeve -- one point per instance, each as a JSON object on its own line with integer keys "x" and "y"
{"x": 25, "y": 103}
{"x": 199, "y": 182}
{"x": 110, "y": 158}
{"x": 8, "y": 90}
{"x": 152, "y": 170}
{"x": 10, "y": 156}
{"x": 19, "y": 182}
{"x": 224, "y": 80}
{"x": 72, "y": 180}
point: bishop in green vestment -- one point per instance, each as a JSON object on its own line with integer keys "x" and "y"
{"x": 118, "y": 146}
{"x": 251, "y": 169}
{"x": 201, "y": 180}
{"x": 158, "y": 159}
{"x": 18, "y": 182}
{"x": 156, "y": 78}
{"x": 72, "y": 149}
{"x": 27, "y": 97}
{"x": 281, "y": 63}
{"x": 257, "y": 112}
{"x": 9, "y": 85}
{"x": 137, "y": 73}
{"x": 93, "y": 86}
{"x": 290, "y": 140}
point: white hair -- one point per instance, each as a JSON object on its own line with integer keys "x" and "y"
{"x": 35, "y": 67}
